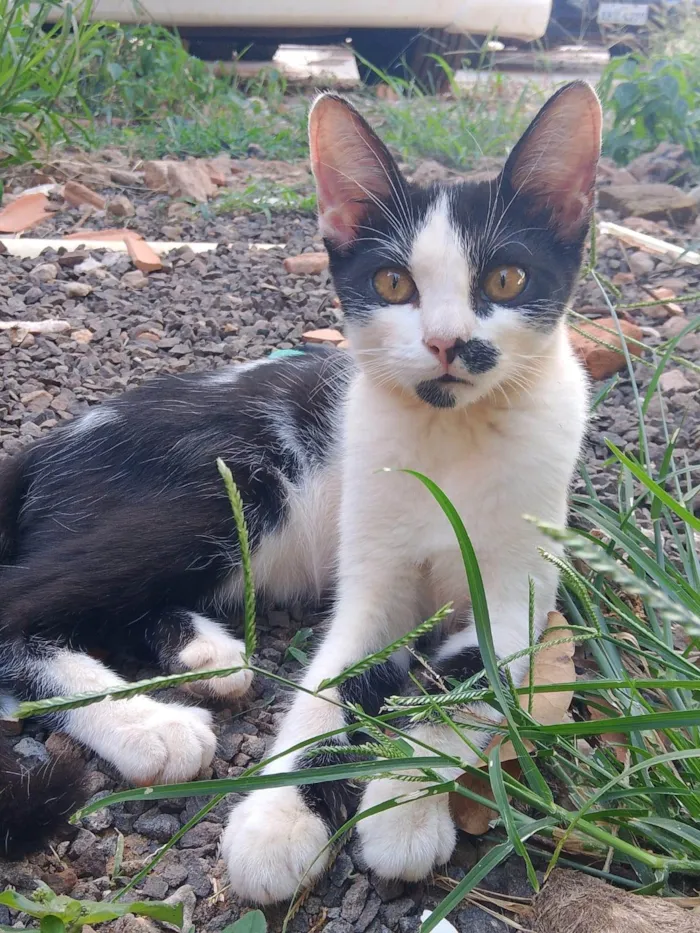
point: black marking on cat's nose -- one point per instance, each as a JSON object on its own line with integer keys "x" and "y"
{"x": 479, "y": 356}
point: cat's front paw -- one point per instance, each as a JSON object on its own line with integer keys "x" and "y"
{"x": 155, "y": 743}
{"x": 272, "y": 843}
{"x": 407, "y": 841}
{"x": 213, "y": 649}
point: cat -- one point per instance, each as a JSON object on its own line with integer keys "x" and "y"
{"x": 118, "y": 525}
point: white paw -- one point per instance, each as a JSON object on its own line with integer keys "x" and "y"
{"x": 273, "y": 842}
{"x": 155, "y": 743}
{"x": 214, "y": 648}
{"x": 407, "y": 841}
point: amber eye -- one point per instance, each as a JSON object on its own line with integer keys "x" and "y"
{"x": 503, "y": 283}
{"x": 394, "y": 285}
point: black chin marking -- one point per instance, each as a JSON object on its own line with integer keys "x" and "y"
{"x": 434, "y": 394}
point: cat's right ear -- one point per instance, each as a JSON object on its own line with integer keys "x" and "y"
{"x": 353, "y": 169}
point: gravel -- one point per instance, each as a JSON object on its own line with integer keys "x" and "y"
{"x": 201, "y": 312}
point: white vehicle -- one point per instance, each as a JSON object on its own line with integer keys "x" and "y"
{"x": 391, "y": 36}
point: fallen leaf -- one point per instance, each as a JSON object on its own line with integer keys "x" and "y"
{"x": 615, "y": 740}
{"x": 551, "y": 665}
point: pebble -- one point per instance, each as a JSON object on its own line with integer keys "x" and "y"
{"x": 30, "y": 748}
{"x": 77, "y": 289}
{"x": 641, "y": 263}
{"x": 157, "y": 825}
{"x": 135, "y": 279}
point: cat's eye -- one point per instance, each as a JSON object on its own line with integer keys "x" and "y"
{"x": 504, "y": 283}
{"x": 394, "y": 285}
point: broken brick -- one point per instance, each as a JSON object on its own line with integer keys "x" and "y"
{"x": 602, "y": 361}
{"x": 142, "y": 256}
{"x": 306, "y": 264}
{"x": 323, "y": 335}
{"x": 76, "y": 194}
{"x": 24, "y": 212}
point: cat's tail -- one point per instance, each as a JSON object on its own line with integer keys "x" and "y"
{"x": 35, "y": 804}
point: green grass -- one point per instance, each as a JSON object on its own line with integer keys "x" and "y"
{"x": 653, "y": 98}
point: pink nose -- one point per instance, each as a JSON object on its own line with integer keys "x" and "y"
{"x": 444, "y": 350}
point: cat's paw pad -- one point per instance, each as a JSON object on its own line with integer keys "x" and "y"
{"x": 213, "y": 649}
{"x": 409, "y": 840}
{"x": 159, "y": 743}
{"x": 271, "y": 844}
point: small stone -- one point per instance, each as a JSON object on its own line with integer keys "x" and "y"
{"x": 30, "y": 748}
{"x": 338, "y": 926}
{"x": 155, "y": 175}
{"x": 202, "y": 834}
{"x": 37, "y": 401}
{"x": 653, "y": 201}
{"x": 121, "y": 206}
{"x": 674, "y": 380}
{"x": 77, "y": 289}
{"x": 131, "y": 924}
{"x": 45, "y": 272}
{"x": 185, "y": 896}
{"x": 254, "y": 747}
{"x": 355, "y": 900}
{"x": 155, "y": 888}
{"x": 88, "y": 265}
{"x": 83, "y": 843}
{"x": 82, "y": 336}
{"x": 394, "y": 910}
{"x": 135, "y": 279}
{"x": 641, "y": 263}
{"x": 157, "y": 825}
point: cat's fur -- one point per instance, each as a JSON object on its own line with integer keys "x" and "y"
{"x": 119, "y": 524}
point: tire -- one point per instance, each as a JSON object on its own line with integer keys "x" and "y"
{"x": 402, "y": 53}
{"x": 214, "y": 49}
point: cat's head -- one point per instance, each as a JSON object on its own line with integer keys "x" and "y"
{"x": 453, "y": 290}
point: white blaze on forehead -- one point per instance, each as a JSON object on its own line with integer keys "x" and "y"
{"x": 442, "y": 273}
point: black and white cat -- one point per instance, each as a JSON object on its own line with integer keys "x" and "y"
{"x": 118, "y": 525}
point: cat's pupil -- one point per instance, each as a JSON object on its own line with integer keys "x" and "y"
{"x": 395, "y": 280}
{"x": 504, "y": 278}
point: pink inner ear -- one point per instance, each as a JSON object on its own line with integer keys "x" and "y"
{"x": 350, "y": 165}
{"x": 556, "y": 161}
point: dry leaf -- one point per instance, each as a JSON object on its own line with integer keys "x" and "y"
{"x": 616, "y": 740}
{"x": 551, "y": 665}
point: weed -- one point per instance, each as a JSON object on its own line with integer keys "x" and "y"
{"x": 58, "y": 913}
{"x": 654, "y": 98}
{"x": 39, "y": 67}
{"x": 266, "y": 197}
{"x": 297, "y": 647}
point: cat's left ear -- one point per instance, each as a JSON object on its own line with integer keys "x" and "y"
{"x": 554, "y": 164}
{"x": 354, "y": 172}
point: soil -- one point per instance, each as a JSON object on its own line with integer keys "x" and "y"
{"x": 201, "y": 312}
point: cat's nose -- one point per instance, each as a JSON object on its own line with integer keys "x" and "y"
{"x": 444, "y": 350}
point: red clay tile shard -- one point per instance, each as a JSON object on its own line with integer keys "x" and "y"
{"x": 24, "y": 212}
{"x": 77, "y": 194}
{"x": 306, "y": 264}
{"x": 324, "y": 335}
{"x": 142, "y": 256}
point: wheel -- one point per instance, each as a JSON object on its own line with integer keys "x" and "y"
{"x": 403, "y": 53}
{"x": 215, "y": 49}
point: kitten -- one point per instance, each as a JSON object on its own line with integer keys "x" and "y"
{"x": 118, "y": 525}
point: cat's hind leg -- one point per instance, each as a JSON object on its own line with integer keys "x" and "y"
{"x": 147, "y": 741}
{"x": 185, "y": 641}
